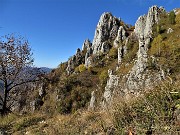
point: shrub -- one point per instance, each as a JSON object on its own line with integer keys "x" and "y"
{"x": 103, "y": 76}
{"x": 76, "y": 69}
{"x": 82, "y": 68}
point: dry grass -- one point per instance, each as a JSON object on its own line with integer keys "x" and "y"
{"x": 152, "y": 112}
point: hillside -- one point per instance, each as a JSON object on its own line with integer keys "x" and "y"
{"x": 126, "y": 81}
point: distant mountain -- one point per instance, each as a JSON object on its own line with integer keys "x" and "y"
{"x": 45, "y": 69}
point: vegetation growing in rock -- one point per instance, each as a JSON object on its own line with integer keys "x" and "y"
{"x": 172, "y": 17}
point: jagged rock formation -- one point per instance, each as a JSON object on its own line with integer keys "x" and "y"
{"x": 92, "y": 101}
{"x": 111, "y": 85}
{"x": 143, "y": 31}
{"x": 87, "y": 46}
{"x": 108, "y": 34}
{"x": 74, "y": 61}
{"x": 122, "y": 50}
{"x": 107, "y": 29}
{"x": 121, "y": 35}
{"x": 71, "y": 66}
{"x": 138, "y": 77}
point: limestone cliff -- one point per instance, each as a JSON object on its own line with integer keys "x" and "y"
{"x": 138, "y": 77}
{"x": 107, "y": 29}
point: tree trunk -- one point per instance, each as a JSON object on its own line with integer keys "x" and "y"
{"x": 5, "y": 110}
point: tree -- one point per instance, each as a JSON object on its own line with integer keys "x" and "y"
{"x": 156, "y": 46}
{"x": 16, "y": 67}
{"x": 172, "y": 17}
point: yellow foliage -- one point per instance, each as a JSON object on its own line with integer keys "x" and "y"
{"x": 103, "y": 76}
{"x": 82, "y": 68}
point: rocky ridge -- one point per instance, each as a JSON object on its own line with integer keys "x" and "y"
{"x": 138, "y": 76}
{"x": 112, "y": 33}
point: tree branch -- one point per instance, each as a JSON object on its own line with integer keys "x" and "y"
{"x": 29, "y": 81}
{"x": 1, "y": 98}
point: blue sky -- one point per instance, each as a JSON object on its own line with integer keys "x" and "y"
{"x": 56, "y": 28}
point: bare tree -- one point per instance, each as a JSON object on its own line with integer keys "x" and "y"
{"x": 16, "y": 64}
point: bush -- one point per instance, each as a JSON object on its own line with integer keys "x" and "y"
{"x": 82, "y": 68}
{"x": 103, "y": 76}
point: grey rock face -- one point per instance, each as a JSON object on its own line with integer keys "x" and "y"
{"x": 86, "y": 45}
{"x": 122, "y": 50}
{"x": 88, "y": 62}
{"x": 92, "y": 101}
{"x": 41, "y": 91}
{"x": 170, "y": 30}
{"x": 107, "y": 29}
{"x": 111, "y": 85}
{"x": 36, "y": 104}
{"x": 71, "y": 65}
{"x": 143, "y": 30}
{"x": 121, "y": 35}
{"x": 2, "y": 132}
{"x": 74, "y": 61}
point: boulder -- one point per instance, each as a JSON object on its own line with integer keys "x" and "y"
{"x": 170, "y": 30}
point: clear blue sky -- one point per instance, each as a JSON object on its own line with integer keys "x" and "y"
{"x": 56, "y": 28}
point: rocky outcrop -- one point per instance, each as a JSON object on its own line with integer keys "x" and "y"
{"x": 143, "y": 30}
{"x": 71, "y": 65}
{"x": 122, "y": 50}
{"x": 74, "y": 61}
{"x": 170, "y": 30}
{"x": 92, "y": 101}
{"x": 106, "y": 30}
{"x": 2, "y": 132}
{"x": 121, "y": 35}
{"x": 87, "y": 46}
{"x": 111, "y": 85}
